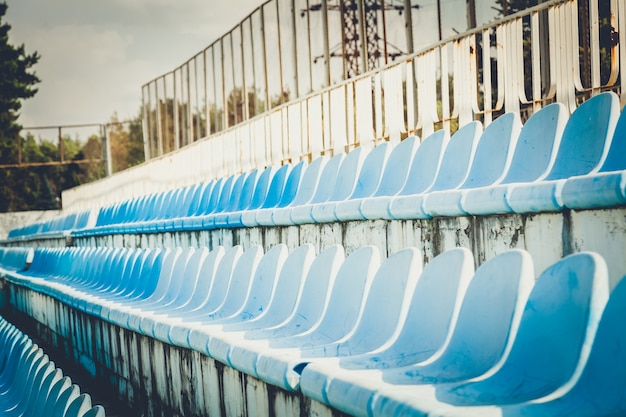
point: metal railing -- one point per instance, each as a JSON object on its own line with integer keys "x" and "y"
{"x": 562, "y": 50}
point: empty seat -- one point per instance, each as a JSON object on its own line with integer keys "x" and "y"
{"x": 301, "y": 214}
{"x": 343, "y": 186}
{"x": 270, "y": 198}
{"x": 366, "y": 184}
{"x": 421, "y": 173}
{"x": 451, "y": 173}
{"x": 287, "y": 194}
{"x": 583, "y": 148}
{"x": 545, "y": 349}
{"x": 485, "y": 313}
{"x": 281, "y": 216}
{"x": 393, "y": 178}
{"x": 532, "y": 159}
{"x": 607, "y": 187}
{"x": 489, "y": 166}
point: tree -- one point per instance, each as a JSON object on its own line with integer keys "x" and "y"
{"x": 17, "y": 80}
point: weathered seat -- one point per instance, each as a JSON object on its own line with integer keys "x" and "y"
{"x": 607, "y": 187}
{"x": 488, "y": 167}
{"x": 392, "y": 177}
{"x": 451, "y": 174}
{"x": 582, "y": 151}
{"x": 532, "y": 159}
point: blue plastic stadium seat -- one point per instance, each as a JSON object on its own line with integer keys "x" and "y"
{"x": 301, "y": 214}
{"x": 532, "y": 159}
{"x": 239, "y": 200}
{"x": 479, "y": 331}
{"x": 393, "y": 178}
{"x": 489, "y": 166}
{"x": 599, "y": 389}
{"x": 281, "y": 216}
{"x": 344, "y": 185}
{"x": 234, "y": 201}
{"x": 607, "y": 187}
{"x": 582, "y": 151}
{"x": 220, "y": 337}
{"x": 366, "y": 184}
{"x": 419, "y": 177}
{"x": 257, "y": 197}
{"x": 361, "y": 289}
{"x": 270, "y": 198}
{"x": 288, "y": 193}
{"x": 308, "y": 312}
{"x": 228, "y": 303}
{"x": 452, "y": 173}
{"x": 545, "y": 349}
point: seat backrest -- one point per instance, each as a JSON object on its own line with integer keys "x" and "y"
{"x": 433, "y": 308}
{"x": 64, "y": 400}
{"x": 264, "y": 281}
{"x": 600, "y": 388}
{"x": 190, "y": 276}
{"x": 226, "y": 192}
{"x": 206, "y": 275}
{"x": 222, "y": 278}
{"x": 493, "y": 302}
{"x": 314, "y": 293}
{"x": 545, "y": 349}
{"x": 457, "y": 157}
{"x": 397, "y": 168}
{"x": 537, "y": 144}
{"x": 287, "y": 286}
{"x": 234, "y": 202}
{"x": 244, "y": 198}
{"x": 79, "y": 406}
{"x": 385, "y": 304}
{"x": 208, "y": 204}
{"x": 310, "y": 181}
{"x": 328, "y": 178}
{"x": 292, "y": 184}
{"x": 348, "y": 174}
{"x": 241, "y": 281}
{"x": 494, "y": 151}
{"x": 615, "y": 160}
{"x": 275, "y": 190}
{"x": 352, "y": 283}
{"x": 53, "y": 396}
{"x": 371, "y": 171}
{"x": 586, "y": 137}
{"x": 261, "y": 187}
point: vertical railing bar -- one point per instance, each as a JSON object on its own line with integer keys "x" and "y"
{"x": 158, "y": 118}
{"x": 594, "y": 29}
{"x": 486, "y": 48}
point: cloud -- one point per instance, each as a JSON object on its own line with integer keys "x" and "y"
{"x": 97, "y": 55}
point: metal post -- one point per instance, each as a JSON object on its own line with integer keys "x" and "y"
{"x": 294, "y": 36}
{"x": 408, "y": 23}
{"x": 326, "y": 40}
{"x": 471, "y": 14}
{"x": 280, "y": 54}
{"x": 61, "y": 150}
{"x": 107, "y": 150}
{"x": 144, "y": 126}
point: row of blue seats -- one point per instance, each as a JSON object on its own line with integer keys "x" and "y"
{"x": 53, "y": 227}
{"x": 365, "y": 336}
{"x": 550, "y": 163}
{"x": 30, "y": 383}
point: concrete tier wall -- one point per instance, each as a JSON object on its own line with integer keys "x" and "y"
{"x": 153, "y": 378}
{"x": 547, "y": 236}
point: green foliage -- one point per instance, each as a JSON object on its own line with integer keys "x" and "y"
{"x": 39, "y": 186}
{"x": 17, "y": 81}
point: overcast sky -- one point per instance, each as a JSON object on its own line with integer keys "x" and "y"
{"x": 96, "y": 55}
